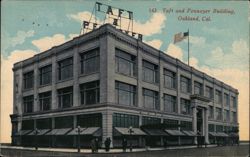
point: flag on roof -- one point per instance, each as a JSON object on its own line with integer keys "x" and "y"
{"x": 180, "y": 36}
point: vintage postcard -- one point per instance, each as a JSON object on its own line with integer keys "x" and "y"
{"x": 132, "y": 78}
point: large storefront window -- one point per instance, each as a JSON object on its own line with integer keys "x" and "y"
{"x": 169, "y": 103}
{"x": 27, "y": 124}
{"x": 90, "y": 93}
{"x": 90, "y": 62}
{"x": 185, "y": 106}
{"x": 171, "y": 124}
{"x": 185, "y": 85}
{"x": 150, "y": 72}
{"x": 64, "y": 122}
{"x": 28, "y": 80}
{"x": 150, "y": 99}
{"x": 150, "y": 120}
{"x": 28, "y": 102}
{"x": 169, "y": 79}
{"x": 125, "y": 93}
{"x": 125, "y": 63}
{"x": 125, "y": 120}
{"x": 45, "y": 123}
{"x": 211, "y": 127}
{"x": 90, "y": 120}
{"x": 65, "y": 97}
{"x": 185, "y": 125}
{"x": 45, "y": 101}
{"x": 45, "y": 75}
{"x": 65, "y": 69}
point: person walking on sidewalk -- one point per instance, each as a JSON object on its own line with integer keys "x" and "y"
{"x": 124, "y": 144}
{"x": 93, "y": 148}
{"x": 107, "y": 144}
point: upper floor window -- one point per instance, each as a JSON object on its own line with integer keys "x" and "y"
{"x": 150, "y": 72}
{"x": 65, "y": 69}
{"x": 125, "y": 120}
{"x": 209, "y": 92}
{"x": 124, "y": 63}
{"x": 28, "y": 80}
{"x": 233, "y": 101}
{"x": 151, "y": 99}
{"x": 65, "y": 97}
{"x": 150, "y": 120}
{"x": 226, "y": 115}
{"x": 185, "y": 106}
{"x": 125, "y": 93}
{"x": 218, "y": 97}
{"x": 90, "y": 62}
{"x": 28, "y": 102}
{"x": 169, "y": 103}
{"x": 45, "y": 75}
{"x": 90, "y": 93}
{"x": 210, "y": 112}
{"x": 226, "y": 99}
{"x": 169, "y": 79}
{"x": 45, "y": 101}
{"x": 185, "y": 84}
{"x": 233, "y": 117}
{"x": 218, "y": 113}
{"x": 198, "y": 88}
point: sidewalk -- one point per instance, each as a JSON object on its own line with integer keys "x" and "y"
{"x": 102, "y": 150}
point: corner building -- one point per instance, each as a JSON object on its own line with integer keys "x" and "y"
{"x": 106, "y": 81}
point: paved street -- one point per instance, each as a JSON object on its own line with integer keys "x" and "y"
{"x": 228, "y": 151}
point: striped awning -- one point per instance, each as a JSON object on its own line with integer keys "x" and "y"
{"x": 58, "y": 131}
{"x": 155, "y": 132}
{"x": 95, "y": 131}
{"x": 175, "y": 132}
{"x": 189, "y": 133}
{"x": 39, "y": 132}
{"x": 125, "y": 131}
{"x": 22, "y": 132}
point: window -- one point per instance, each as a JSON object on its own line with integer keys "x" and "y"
{"x": 211, "y": 127}
{"x": 218, "y": 97}
{"x": 125, "y": 63}
{"x": 28, "y": 104}
{"x": 186, "y": 125}
{"x": 125, "y": 93}
{"x": 209, "y": 92}
{"x": 169, "y": 79}
{"x": 65, "y": 69}
{"x": 150, "y": 120}
{"x": 90, "y": 120}
{"x": 64, "y": 122}
{"x": 45, "y": 75}
{"x": 218, "y": 114}
{"x": 45, "y": 123}
{"x": 219, "y": 128}
{"x": 185, "y": 106}
{"x": 65, "y": 97}
{"x": 211, "y": 112}
{"x": 28, "y": 80}
{"x": 125, "y": 120}
{"x": 226, "y": 99}
{"x": 233, "y": 117}
{"x": 198, "y": 88}
{"x": 150, "y": 99}
{"x": 150, "y": 72}
{"x": 45, "y": 101}
{"x": 27, "y": 124}
{"x": 169, "y": 103}
{"x": 185, "y": 85}
{"x": 90, "y": 62}
{"x": 90, "y": 93}
{"x": 233, "y": 101}
{"x": 226, "y": 115}
{"x": 171, "y": 124}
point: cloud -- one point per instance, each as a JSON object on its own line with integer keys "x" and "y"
{"x": 152, "y": 26}
{"x": 196, "y": 40}
{"x": 217, "y": 31}
{"x": 175, "y": 51}
{"x": 237, "y": 57}
{"x": 7, "y": 89}
{"x": 21, "y": 36}
{"x": 154, "y": 43}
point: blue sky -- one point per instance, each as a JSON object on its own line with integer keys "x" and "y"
{"x": 219, "y": 47}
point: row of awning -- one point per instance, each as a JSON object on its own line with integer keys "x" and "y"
{"x": 95, "y": 131}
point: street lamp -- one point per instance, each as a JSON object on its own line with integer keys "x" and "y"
{"x": 130, "y": 133}
{"x": 36, "y": 141}
{"x": 78, "y": 129}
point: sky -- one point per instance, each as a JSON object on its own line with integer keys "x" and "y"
{"x": 219, "y": 40}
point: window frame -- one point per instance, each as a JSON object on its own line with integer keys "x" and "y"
{"x": 84, "y": 58}
{"x": 42, "y": 74}
{"x": 131, "y": 91}
{"x": 68, "y": 65}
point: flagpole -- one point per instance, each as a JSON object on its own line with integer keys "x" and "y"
{"x": 188, "y": 47}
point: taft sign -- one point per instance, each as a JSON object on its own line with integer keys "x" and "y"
{"x": 120, "y": 18}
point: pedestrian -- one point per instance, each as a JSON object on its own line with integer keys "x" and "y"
{"x": 165, "y": 143}
{"x": 198, "y": 139}
{"x": 124, "y": 144}
{"x": 93, "y": 145}
{"x": 107, "y": 144}
{"x": 96, "y": 144}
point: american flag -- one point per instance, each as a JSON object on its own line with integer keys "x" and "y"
{"x": 180, "y": 36}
